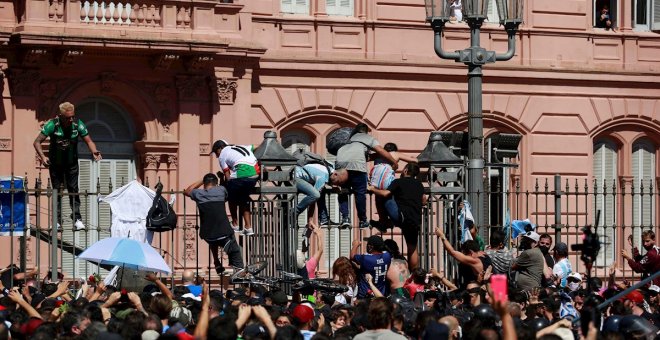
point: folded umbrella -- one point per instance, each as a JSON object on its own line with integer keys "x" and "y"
{"x": 126, "y": 253}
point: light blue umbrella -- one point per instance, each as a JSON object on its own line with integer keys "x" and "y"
{"x": 126, "y": 253}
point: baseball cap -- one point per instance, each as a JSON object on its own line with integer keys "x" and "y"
{"x": 564, "y": 333}
{"x": 30, "y": 326}
{"x": 182, "y": 314}
{"x": 561, "y": 246}
{"x": 219, "y": 144}
{"x": 253, "y": 330}
{"x": 279, "y": 298}
{"x": 654, "y": 288}
{"x": 574, "y": 275}
{"x": 303, "y": 312}
{"x": 532, "y": 235}
{"x": 634, "y": 296}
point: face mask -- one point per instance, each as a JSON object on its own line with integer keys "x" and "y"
{"x": 573, "y": 286}
{"x": 544, "y": 249}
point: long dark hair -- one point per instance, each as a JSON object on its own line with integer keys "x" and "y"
{"x": 360, "y": 128}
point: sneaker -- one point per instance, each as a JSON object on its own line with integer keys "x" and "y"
{"x": 378, "y": 225}
{"x": 220, "y": 269}
{"x": 59, "y": 227}
{"x": 78, "y": 225}
{"x": 345, "y": 223}
{"x": 364, "y": 224}
{"x": 235, "y": 227}
{"x": 248, "y": 232}
{"x": 324, "y": 223}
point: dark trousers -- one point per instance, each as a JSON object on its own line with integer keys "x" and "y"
{"x": 66, "y": 175}
{"x": 230, "y": 247}
{"x": 357, "y": 182}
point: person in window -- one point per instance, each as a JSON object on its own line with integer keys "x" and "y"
{"x": 604, "y": 20}
{"x": 62, "y": 161}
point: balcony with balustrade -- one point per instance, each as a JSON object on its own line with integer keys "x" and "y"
{"x": 207, "y": 26}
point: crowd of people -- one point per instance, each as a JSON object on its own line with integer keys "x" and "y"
{"x": 499, "y": 292}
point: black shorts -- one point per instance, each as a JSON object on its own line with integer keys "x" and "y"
{"x": 410, "y": 234}
{"x": 239, "y": 189}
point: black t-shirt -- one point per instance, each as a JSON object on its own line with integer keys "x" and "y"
{"x": 408, "y": 194}
{"x": 214, "y": 223}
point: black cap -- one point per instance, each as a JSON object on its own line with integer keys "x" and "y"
{"x": 561, "y": 247}
{"x": 219, "y": 144}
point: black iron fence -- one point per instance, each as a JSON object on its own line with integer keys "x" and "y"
{"x": 561, "y": 207}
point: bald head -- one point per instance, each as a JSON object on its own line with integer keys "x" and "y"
{"x": 452, "y": 323}
{"x": 188, "y": 276}
{"x": 339, "y": 177}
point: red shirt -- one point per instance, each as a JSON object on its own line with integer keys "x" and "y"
{"x": 649, "y": 264}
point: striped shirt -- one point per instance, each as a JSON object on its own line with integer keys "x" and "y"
{"x": 381, "y": 176}
{"x": 502, "y": 260}
{"x": 562, "y": 269}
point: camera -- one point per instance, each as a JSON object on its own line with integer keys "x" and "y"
{"x": 590, "y": 244}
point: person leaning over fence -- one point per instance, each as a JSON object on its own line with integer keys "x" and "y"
{"x": 650, "y": 262}
{"x": 62, "y": 161}
{"x": 310, "y": 181}
{"x": 353, "y": 157}
{"x": 214, "y": 224}
{"x": 241, "y": 170}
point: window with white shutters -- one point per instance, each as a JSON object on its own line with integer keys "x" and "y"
{"x": 294, "y": 6}
{"x": 655, "y": 15}
{"x": 605, "y": 173}
{"x": 111, "y": 129}
{"x": 340, "y": 7}
{"x": 492, "y": 16}
{"x": 643, "y": 170}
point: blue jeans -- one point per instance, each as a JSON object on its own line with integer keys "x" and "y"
{"x": 311, "y": 195}
{"x": 393, "y": 211}
{"x": 357, "y": 182}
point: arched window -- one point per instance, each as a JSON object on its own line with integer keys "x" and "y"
{"x": 605, "y": 174}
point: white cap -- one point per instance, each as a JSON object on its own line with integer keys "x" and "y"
{"x": 575, "y": 275}
{"x": 532, "y": 235}
{"x": 654, "y": 288}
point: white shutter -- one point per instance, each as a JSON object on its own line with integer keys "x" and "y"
{"x": 295, "y": 6}
{"x": 70, "y": 266}
{"x": 338, "y": 241}
{"x": 605, "y": 165}
{"x": 493, "y": 16}
{"x": 655, "y": 15}
{"x": 340, "y": 7}
{"x": 643, "y": 162}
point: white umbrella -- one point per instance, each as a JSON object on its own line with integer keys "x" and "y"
{"x": 126, "y": 253}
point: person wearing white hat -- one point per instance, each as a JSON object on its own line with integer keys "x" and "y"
{"x": 530, "y": 263}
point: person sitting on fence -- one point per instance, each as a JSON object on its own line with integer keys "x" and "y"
{"x": 241, "y": 170}
{"x": 405, "y": 199}
{"x": 62, "y": 161}
{"x": 353, "y": 158}
{"x": 650, "y": 262}
{"x": 214, "y": 224}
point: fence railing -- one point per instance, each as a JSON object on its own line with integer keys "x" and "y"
{"x": 559, "y": 207}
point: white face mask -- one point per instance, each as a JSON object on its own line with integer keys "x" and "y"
{"x": 573, "y": 286}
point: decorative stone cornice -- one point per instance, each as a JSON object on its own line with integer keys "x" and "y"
{"x": 66, "y": 58}
{"x": 172, "y": 161}
{"x": 226, "y": 88}
{"x": 197, "y": 63}
{"x": 151, "y": 161}
{"x": 164, "y": 61}
{"x": 30, "y": 57}
{"x": 23, "y": 82}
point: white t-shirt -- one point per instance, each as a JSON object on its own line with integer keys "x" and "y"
{"x": 239, "y": 160}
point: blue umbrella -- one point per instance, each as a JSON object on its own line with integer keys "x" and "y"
{"x": 126, "y": 253}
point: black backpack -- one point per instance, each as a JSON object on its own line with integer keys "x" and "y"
{"x": 161, "y": 217}
{"x": 305, "y": 157}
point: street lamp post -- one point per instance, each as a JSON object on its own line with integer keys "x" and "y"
{"x": 474, "y": 13}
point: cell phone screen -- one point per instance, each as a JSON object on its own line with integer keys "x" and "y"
{"x": 498, "y": 284}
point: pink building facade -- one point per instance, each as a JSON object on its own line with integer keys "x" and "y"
{"x": 158, "y": 82}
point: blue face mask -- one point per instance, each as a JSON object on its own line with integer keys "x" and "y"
{"x": 573, "y": 286}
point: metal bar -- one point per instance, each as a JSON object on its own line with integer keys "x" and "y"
{"x": 53, "y": 234}
{"x": 558, "y": 194}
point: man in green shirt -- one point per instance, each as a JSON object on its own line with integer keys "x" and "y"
{"x": 62, "y": 161}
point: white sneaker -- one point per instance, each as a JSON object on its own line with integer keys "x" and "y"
{"x": 248, "y": 232}
{"x": 235, "y": 227}
{"x": 59, "y": 227}
{"x": 78, "y": 226}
